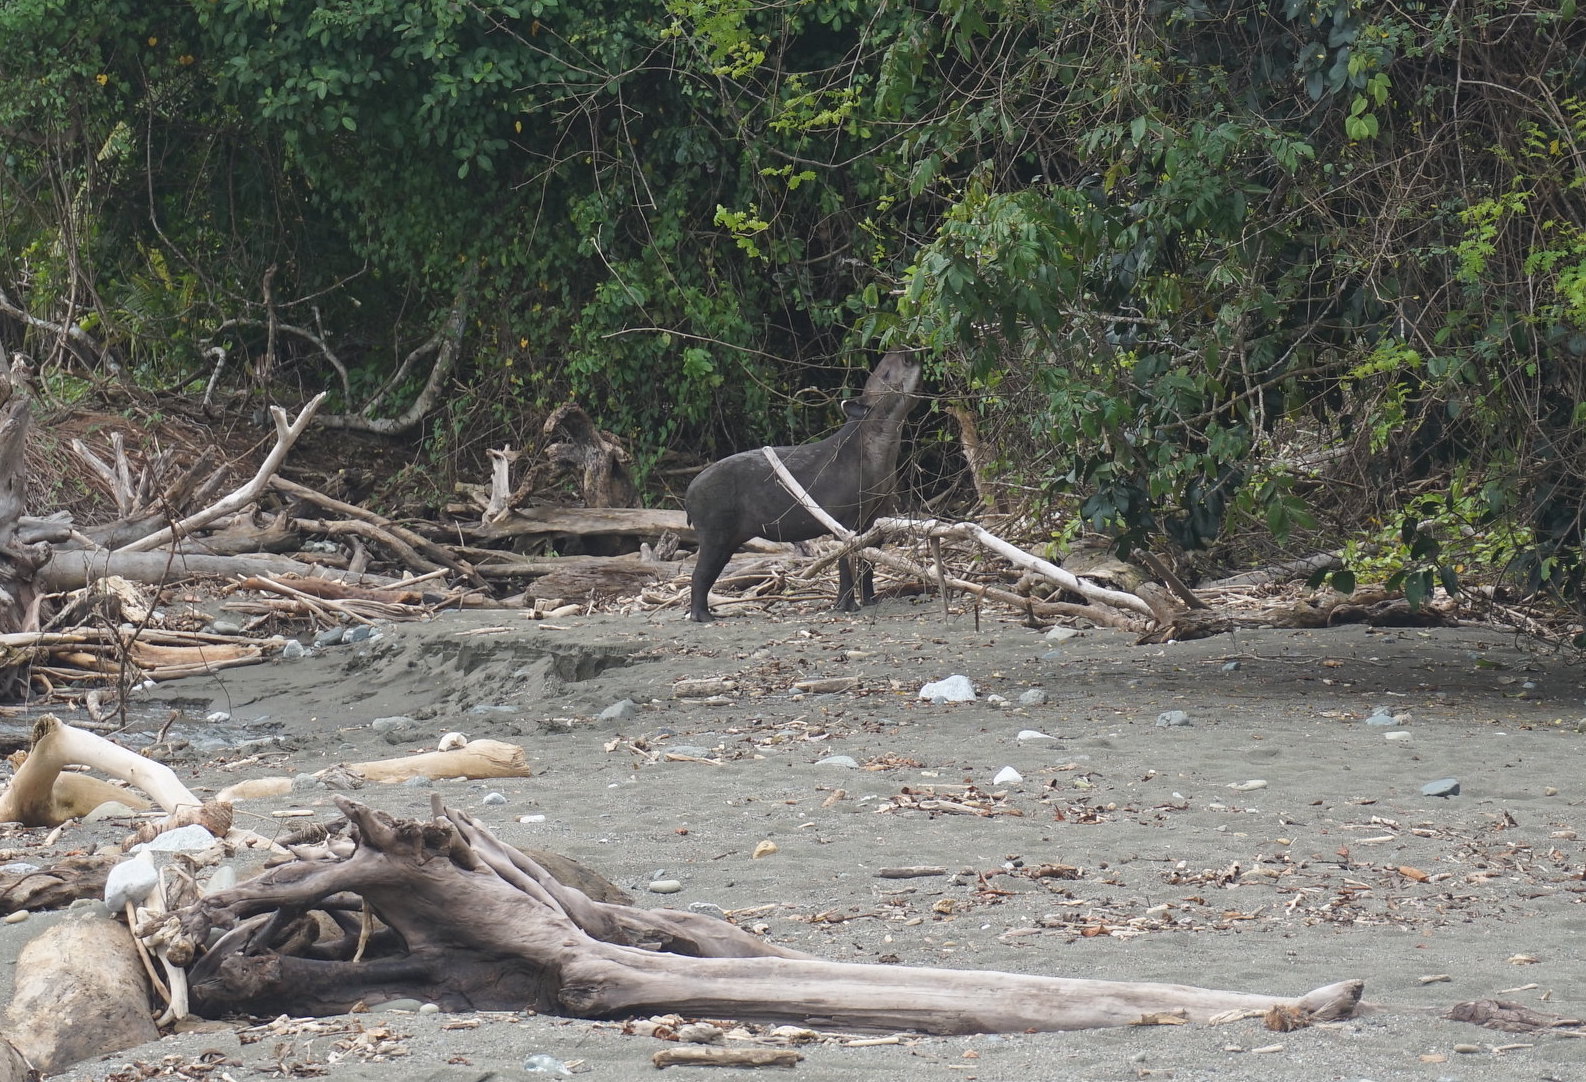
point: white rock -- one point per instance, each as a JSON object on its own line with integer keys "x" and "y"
{"x": 1007, "y": 776}
{"x": 451, "y": 741}
{"x": 1062, "y": 634}
{"x": 219, "y": 717}
{"x": 110, "y": 809}
{"x": 1027, "y": 736}
{"x": 1247, "y": 786}
{"x": 189, "y": 839}
{"x": 955, "y": 689}
{"x": 131, "y": 881}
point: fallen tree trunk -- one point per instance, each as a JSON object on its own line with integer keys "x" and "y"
{"x": 645, "y": 522}
{"x": 471, "y": 923}
{"x": 72, "y": 570}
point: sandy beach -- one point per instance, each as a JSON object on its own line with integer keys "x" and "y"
{"x": 1276, "y": 842}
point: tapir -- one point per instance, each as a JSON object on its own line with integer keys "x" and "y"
{"x": 850, "y": 474}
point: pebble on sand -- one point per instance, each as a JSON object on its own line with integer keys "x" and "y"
{"x": 1032, "y": 697}
{"x": 665, "y": 886}
{"x": 1030, "y": 736}
{"x": 1007, "y": 776}
{"x": 954, "y": 689}
{"x": 1443, "y": 787}
{"x": 1168, "y": 719}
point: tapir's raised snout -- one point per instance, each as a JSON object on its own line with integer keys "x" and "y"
{"x": 850, "y": 474}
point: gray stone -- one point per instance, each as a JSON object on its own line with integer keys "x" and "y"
{"x": 397, "y": 729}
{"x": 1032, "y": 697}
{"x": 493, "y": 799}
{"x": 1168, "y": 719}
{"x": 665, "y": 886}
{"x": 1052, "y": 655}
{"x": 1062, "y": 634}
{"x": 411, "y": 1005}
{"x": 361, "y": 633}
{"x": 544, "y": 1063}
{"x": 693, "y": 751}
{"x": 953, "y": 689}
{"x": 301, "y": 783}
{"x": 293, "y": 650}
{"x": 330, "y": 636}
{"x": 847, "y": 761}
{"x": 492, "y": 708}
{"x": 708, "y": 909}
{"x": 226, "y": 626}
{"x": 1443, "y": 787}
{"x": 418, "y": 781}
{"x": 1232, "y": 666}
{"x": 620, "y": 711}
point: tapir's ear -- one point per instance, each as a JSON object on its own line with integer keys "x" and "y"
{"x": 854, "y": 409}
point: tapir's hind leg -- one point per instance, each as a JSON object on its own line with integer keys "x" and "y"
{"x": 708, "y": 564}
{"x": 867, "y": 581}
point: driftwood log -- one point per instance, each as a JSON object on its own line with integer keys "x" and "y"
{"x": 473, "y": 759}
{"x": 80, "y": 992}
{"x": 470, "y": 923}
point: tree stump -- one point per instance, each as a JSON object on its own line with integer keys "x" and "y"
{"x": 20, "y": 560}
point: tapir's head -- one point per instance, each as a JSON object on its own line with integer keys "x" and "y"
{"x": 891, "y": 387}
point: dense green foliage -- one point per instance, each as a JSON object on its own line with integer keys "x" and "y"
{"x": 1188, "y": 261}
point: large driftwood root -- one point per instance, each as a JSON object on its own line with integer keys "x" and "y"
{"x": 468, "y": 922}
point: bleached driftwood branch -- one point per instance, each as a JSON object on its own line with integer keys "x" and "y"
{"x": 286, "y": 434}
{"x": 931, "y": 528}
{"x": 40, "y": 795}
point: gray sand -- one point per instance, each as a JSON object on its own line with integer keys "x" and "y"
{"x": 1336, "y": 867}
